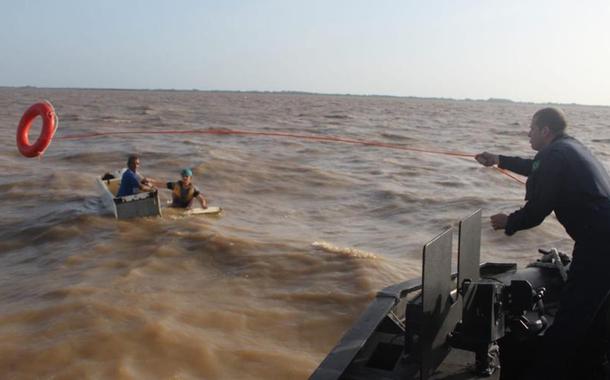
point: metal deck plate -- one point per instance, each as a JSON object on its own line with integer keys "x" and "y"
{"x": 469, "y": 248}
{"x": 439, "y": 313}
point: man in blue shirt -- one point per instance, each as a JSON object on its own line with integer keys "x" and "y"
{"x": 132, "y": 182}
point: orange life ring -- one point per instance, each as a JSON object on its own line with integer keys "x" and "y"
{"x": 49, "y": 125}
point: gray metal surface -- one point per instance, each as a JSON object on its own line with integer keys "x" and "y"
{"x": 440, "y": 313}
{"x": 146, "y": 205}
{"x": 469, "y": 248}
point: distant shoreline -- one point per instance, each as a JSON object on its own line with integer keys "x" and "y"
{"x": 302, "y": 93}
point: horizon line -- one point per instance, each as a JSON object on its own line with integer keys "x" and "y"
{"x": 298, "y": 92}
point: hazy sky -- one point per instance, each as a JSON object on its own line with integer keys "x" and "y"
{"x": 557, "y": 51}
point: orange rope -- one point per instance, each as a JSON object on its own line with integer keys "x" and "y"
{"x": 289, "y": 135}
{"x": 270, "y": 134}
{"x": 508, "y": 174}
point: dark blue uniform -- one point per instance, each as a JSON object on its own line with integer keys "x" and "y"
{"x": 566, "y": 178}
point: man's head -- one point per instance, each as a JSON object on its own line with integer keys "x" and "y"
{"x": 133, "y": 162}
{"x": 186, "y": 174}
{"x": 547, "y": 124}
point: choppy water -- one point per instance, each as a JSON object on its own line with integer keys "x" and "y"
{"x": 310, "y": 230}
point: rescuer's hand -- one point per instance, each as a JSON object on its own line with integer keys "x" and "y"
{"x": 487, "y": 159}
{"x": 498, "y": 221}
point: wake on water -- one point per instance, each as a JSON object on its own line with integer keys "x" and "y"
{"x": 344, "y": 251}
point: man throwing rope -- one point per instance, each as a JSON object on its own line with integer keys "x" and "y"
{"x": 566, "y": 178}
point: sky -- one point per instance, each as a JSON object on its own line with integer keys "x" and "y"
{"x": 538, "y": 51}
